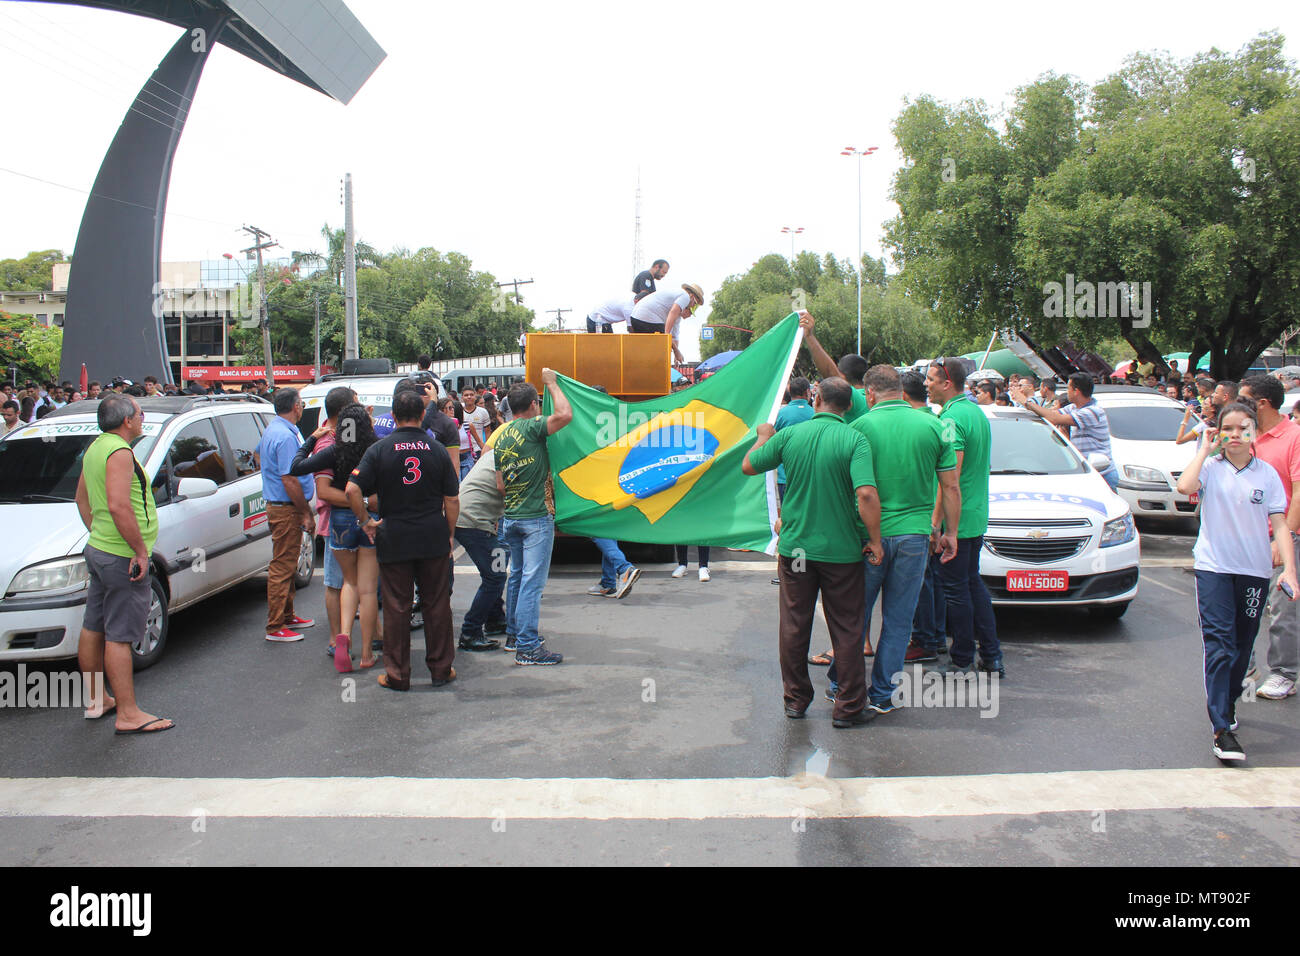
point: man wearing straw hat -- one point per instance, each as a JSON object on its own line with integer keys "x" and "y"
{"x": 663, "y": 312}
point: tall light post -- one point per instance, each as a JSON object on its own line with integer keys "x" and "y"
{"x": 850, "y": 151}
{"x": 793, "y": 231}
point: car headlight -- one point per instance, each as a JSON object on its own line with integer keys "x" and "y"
{"x": 1119, "y": 531}
{"x": 1149, "y": 475}
{"x": 60, "y": 576}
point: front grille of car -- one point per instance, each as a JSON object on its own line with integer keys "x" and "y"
{"x": 1031, "y": 551}
{"x": 1037, "y": 523}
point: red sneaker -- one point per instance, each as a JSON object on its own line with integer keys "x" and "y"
{"x": 300, "y": 622}
{"x": 916, "y": 654}
{"x": 284, "y": 636}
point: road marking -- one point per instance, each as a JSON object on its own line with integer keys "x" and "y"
{"x": 613, "y": 799}
{"x": 1167, "y": 587}
{"x": 1167, "y": 562}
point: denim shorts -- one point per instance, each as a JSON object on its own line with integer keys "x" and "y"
{"x": 333, "y": 572}
{"x": 345, "y": 531}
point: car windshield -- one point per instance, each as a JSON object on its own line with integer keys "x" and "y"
{"x": 1153, "y": 422}
{"x": 1023, "y": 446}
{"x": 45, "y": 467}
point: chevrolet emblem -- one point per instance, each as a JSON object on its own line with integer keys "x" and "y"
{"x": 1036, "y": 534}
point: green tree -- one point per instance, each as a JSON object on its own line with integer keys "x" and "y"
{"x": 1178, "y": 177}
{"x": 12, "y": 350}
{"x": 44, "y": 346}
{"x": 34, "y": 272}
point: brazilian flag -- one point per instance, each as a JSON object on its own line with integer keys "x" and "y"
{"x": 667, "y": 470}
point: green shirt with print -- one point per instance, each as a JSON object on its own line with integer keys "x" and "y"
{"x": 966, "y": 428}
{"x": 524, "y": 465}
{"x": 825, "y": 462}
{"x": 913, "y": 444}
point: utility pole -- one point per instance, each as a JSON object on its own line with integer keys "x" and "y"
{"x": 349, "y": 273}
{"x": 315, "y": 295}
{"x": 258, "y": 237}
{"x": 516, "y": 283}
{"x": 559, "y": 317}
{"x": 636, "y": 232}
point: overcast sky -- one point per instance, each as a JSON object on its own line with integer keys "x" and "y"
{"x": 513, "y": 132}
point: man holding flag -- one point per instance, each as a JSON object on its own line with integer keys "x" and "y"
{"x": 830, "y": 495}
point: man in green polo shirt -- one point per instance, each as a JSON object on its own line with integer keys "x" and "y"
{"x": 117, "y": 508}
{"x": 920, "y": 462}
{"x": 970, "y": 609}
{"x": 830, "y": 507}
{"x": 850, "y": 367}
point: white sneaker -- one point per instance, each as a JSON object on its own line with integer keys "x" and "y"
{"x": 704, "y": 574}
{"x": 680, "y": 572}
{"x": 1277, "y": 687}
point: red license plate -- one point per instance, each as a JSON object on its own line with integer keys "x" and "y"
{"x": 1038, "y": 581}
{"x": 1194, "y": 497}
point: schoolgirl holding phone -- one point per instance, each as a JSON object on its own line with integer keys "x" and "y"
{"x": 1241, "y": 497}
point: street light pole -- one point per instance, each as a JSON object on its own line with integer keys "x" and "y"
{"x": 793, "y": 231}
{"x": 850, "y": 151}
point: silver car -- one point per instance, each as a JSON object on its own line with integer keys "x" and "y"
{"x": 199, "y": 454}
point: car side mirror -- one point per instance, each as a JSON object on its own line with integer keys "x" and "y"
{"x": 196, "y": 488}
{"x": 1098, "y": 461}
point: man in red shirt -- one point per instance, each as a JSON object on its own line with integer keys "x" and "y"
{"x": 1278, "y": 444}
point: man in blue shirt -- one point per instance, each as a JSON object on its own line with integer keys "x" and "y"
{"x": 288, "y": 512}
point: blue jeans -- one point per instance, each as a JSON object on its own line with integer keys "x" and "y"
{"x": 929, "y": 623}
{"x": 466, "y": 463}
{"x": 530, "y": 541}
{"x": 970, "y": 609}
{"x": 897, "y": 581}
{"x": 345, "y": 531}
{"x": 1111, "y": 475}
{"x": 488, "y": 555}
{"x": 333, "y": 573}
{"x": 1230, "y": 607}
{"x": 613, "y": 561}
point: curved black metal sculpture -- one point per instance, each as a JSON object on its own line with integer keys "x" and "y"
{"x": 111, "y": 322}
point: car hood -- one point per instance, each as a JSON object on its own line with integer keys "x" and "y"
{"x": 1053, "y": 496}
{"x": 1165, "y": 455}
{"x": 41, "y": 531}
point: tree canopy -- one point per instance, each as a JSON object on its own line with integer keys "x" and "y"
{"x": 1179, "y": 180}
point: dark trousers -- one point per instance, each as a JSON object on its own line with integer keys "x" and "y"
{"x": 970, "y": 608}
{"x": 844, "y": 604}
{"x": 684, "y": 551}
{"x": 398, "y": 580}
{"x": 1230, "y": 607}
{"x": 929, "y": 623}
{"x": 636, "y": 325}
{"x": 594, "y": 326}
{"x": 491, "y": 558}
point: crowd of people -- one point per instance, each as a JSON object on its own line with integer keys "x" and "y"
{"x": 881, "y": 499}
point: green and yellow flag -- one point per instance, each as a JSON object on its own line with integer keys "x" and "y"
{"x": 667, "y": 470}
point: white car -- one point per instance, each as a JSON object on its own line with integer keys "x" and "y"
{"x": 198, "y": 453}
{"x": 373, "y": 391}
{"x": 1143, "y": 426}
{"x": 1057, "y": 536}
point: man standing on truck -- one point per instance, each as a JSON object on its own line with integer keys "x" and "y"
{"x": 644, "y": 283}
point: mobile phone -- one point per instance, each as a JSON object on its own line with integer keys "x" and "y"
{"x": 1286, "y": 589}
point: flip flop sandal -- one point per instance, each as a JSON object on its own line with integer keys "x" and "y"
{"x": 142, "y": 728}
{"x": 343, "y": 654}
{"x": 822, "y": 660}
{"x": 384, "y": 683}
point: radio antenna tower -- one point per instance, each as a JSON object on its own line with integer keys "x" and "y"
{"x": 636, "y": 234}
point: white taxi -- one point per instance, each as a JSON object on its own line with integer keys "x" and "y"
{"x": 1057, "y": 535}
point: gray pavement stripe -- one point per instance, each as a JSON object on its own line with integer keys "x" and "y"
{"x": 617, "y": 799}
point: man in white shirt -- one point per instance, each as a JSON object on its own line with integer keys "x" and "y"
{"x": 476, "y": 421}
{"x": 663, "y": 312}
{"x": 605, "y": 316}
{"x": 10, "y": 411}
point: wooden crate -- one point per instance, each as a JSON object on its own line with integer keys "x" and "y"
{"x": 631, "y": 367}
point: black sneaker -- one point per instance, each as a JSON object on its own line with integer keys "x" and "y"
{"x": 510, "y": 644}
{"x": 794, "y": 713}
{"x": 494, "y": 628}
{"x": 994, "y": 667}
{"x": 477, "y": 643}
{"x": 538, "y": 655}
{"x": 1226, "y": 746}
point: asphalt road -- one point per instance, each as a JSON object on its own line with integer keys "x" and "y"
{"x": 660, "y": 740}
